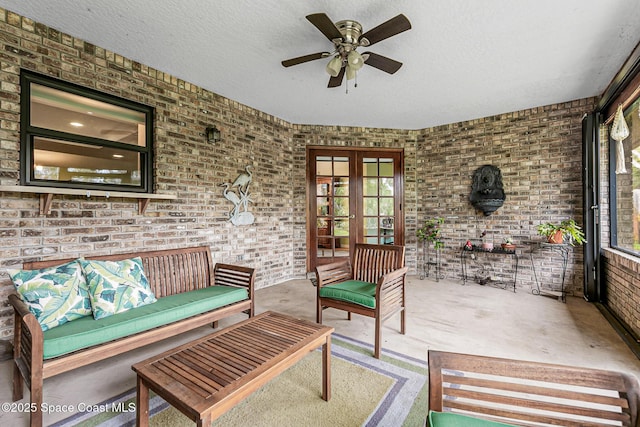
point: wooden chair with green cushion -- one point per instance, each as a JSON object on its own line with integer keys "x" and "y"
{"x": 482, "y": 391}
{"x": 372, "y": 284}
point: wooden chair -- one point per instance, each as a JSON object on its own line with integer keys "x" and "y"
{"x": 530, "y": 393}
{"x": 372, "y": 285}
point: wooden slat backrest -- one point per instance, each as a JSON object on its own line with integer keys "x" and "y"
{"x": 527, "y": 393}
{"x": 370, "y": 262}
{"x": 169, "y": 271}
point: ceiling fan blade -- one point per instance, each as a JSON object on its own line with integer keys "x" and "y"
{"x": 383, "y": 63}
{"x": 325, "y": 25}
{"x": 387, "y": 29}
{"x": 337, "y": 80}
{"x": 305, "y": 58}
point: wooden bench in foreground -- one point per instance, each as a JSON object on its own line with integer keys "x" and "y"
{"x": 524, "y": 393}
{"x": 170, "y": 272}
{"x": 207, "y": 377}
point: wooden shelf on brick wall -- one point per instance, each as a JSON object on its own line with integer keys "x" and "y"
{"x": 47, "y": 193}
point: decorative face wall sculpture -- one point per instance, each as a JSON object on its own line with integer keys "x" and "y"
{"x": 487, "y": 193}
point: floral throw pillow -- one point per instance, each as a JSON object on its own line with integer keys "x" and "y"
{"x": 116, "y": 286}
{"x": 55, "y": 295}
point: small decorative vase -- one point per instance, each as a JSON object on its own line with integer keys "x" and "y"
{"x": 488, "y": 246}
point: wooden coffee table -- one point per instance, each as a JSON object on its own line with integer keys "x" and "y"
{"x": 207, "y": 377}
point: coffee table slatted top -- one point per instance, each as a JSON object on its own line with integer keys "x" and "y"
{"x": 199, "y": 376}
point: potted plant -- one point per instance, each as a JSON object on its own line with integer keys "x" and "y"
{"x": 567, "y": 230}
{"x": 430, "y": 232}
{"x": 507, "y": 244}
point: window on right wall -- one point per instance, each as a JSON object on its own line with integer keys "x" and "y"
{"x": 625, "y": 194}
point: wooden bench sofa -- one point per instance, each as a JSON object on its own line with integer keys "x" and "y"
{"x": 190, "y": 293}
{"x": 372, "y": 284}
{"x": 480, "y": 391}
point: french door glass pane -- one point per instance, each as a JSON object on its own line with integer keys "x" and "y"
{"x": 340, "y": 206}
{"x": 341, "y": 227}
{"x": 386, "y": 167}
{"x": 371, "y": 206}
{"x": 386, "y": 206}
{"x": 341, "y": 186}
{"x": 342, "y": 247}
{"x": 370, "y": 186}
{"x": 369, "y": 167}
{"x": 386, "y": 186}
{"x": 323, "y": 165}
{"x": 341, "y": 166}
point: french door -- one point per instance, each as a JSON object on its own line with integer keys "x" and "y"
{"x": 353, "y": 196}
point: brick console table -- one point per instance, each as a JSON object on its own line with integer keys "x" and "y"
{"x": 207, "y": 377}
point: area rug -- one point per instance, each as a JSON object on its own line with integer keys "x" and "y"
{"x": 366, "y": 391}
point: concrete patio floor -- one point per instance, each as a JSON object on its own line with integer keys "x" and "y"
{"x": 441, "y": 315}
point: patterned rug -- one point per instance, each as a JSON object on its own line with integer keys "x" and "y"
{"x": 366, "y": 391}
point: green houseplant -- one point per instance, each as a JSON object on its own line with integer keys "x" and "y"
{"x": 430, "y": 232}
{"x": 567, "y": 230}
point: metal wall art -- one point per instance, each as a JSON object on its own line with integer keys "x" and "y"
{"x": 238, "y": 194}
{"x": 487, "y": 193}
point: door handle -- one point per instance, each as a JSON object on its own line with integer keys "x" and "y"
{"x": 352, "y": 216}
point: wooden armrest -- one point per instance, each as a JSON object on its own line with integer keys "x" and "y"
{"x": 234, "y": 275}
{"x": 390, "y": 280}
{"x": 28, "y": 341}
{"x": 334, "y": 272}
{"x": 19, "y": 306}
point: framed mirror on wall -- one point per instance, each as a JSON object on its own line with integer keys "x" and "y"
{"x": 76, "y": 137}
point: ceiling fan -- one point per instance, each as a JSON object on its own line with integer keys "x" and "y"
{"x": 346, "y": 37}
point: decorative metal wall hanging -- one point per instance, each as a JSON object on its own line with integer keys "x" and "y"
{"x": 238, "y": 194}
{"x": 487, "y": 193}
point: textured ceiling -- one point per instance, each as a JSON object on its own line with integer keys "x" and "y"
{"x": 463, "y": 59}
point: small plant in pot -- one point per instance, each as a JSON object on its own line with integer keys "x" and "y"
{"x": 568, "y": 230}
{"x": 430, "y": 232}
{"x": 507, "y": 244}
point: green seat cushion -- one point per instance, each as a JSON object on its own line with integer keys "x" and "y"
{"x": 354, "y": 291}
{"x": 87, "y": 331}
{"x": 450, "y": 419}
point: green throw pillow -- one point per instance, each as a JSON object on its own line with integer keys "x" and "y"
{"x": 55, "y": 295}
{"x": 116, "y": 286}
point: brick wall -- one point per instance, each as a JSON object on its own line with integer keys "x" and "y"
{"x": 538, "y": 151}
{"x": 539, "y": 154}
{"x": 622, "y": 273}
{"x": 185, "y": 164}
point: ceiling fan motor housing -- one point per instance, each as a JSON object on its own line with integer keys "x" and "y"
{"x": 351, "y": 32}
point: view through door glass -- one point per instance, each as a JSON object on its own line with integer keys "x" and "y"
{"x": 378, "y": 200}
{"x": 333, "y": 210}
{"x": 354, "y": 196}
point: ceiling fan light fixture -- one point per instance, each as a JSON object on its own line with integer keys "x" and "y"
{"x": 355, "y": 60}
{"x": 334, "y": 66}
{"x": 351, "y": 72}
